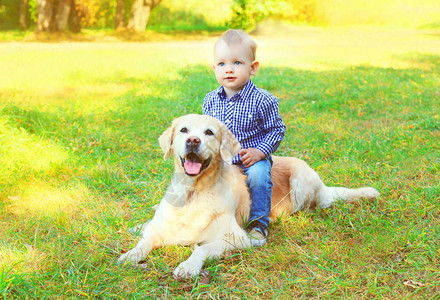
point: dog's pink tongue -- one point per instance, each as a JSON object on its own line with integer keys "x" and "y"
{"x": 192, "y": 168}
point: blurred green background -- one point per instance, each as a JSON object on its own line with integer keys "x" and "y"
{"x": 197, "y": 15}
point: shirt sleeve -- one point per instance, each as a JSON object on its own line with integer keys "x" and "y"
{"x": 208, "y": 104}
{"x": 273, "y": 126}
{"x": 205, "y": 105}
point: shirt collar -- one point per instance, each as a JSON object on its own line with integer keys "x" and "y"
{"x": 247, "y": 90}
{"x": 243, "y": 94}
{"x": 221, "y": 93}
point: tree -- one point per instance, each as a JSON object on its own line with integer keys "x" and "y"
{"x": 23, "y": 14}
{"x": 74, "y": 23}
{"x": 120, "y": 14}
{"x": 55, "y": 15}
{"x": 62, "y": 15}
{"x": 246, "y": 14}
{"x": 44, "y": 15}
{"x": 140, "y": 13}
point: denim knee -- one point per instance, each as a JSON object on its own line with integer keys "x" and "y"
{"x": 259, "y": 174}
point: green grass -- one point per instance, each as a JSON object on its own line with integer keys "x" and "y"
{"x": 80, "y": 164}
{"x": 153, "y": 33}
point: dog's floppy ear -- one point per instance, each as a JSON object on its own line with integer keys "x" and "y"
{"x": 229, "y": 146}
{"x": 166, "y": 140}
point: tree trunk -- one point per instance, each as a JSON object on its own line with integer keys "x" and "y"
{"x": 120, "y": 14}
{"x": 140, "y": 12}
{"x": 44, "y": 15}
{"x": 23, "y": 14}
{"x": 62, "y": 15}
{"x": 74, "y": 24}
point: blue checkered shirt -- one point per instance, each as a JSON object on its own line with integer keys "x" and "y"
{"x": 251, "y": 115}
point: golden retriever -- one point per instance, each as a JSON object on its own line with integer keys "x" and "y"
{"x": 208, "y": 202}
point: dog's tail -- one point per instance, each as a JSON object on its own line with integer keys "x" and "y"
{"x": 328, "y": 195}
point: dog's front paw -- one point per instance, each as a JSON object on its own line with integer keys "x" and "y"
{"x": 134, "y": 256}
{"x": 187, "y": 269}
{"x": 138, "y": 230}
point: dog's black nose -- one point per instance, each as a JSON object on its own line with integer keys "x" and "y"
{"x": 192, "y": 142}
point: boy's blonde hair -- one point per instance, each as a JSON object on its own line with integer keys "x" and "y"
{"x": 237, "y": 36}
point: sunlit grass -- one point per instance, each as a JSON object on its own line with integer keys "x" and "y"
{"x": 392, "y": 13}
{"x": 43, "y": 200}
{"x": 341, "y": 48}
{"x": 80, "y": 163}
{"x": 30, "y": 258}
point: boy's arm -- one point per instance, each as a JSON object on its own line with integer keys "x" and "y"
{"x": 273, "y": 126}
{"x": 205, "y": 109}
{"x": 209, "y": 103}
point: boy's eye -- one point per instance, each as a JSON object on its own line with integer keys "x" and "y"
{"x": 237, "y": 63}
{"x": 221, "y": 64}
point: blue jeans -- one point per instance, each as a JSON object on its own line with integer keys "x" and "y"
{"x": 260, "y": 187}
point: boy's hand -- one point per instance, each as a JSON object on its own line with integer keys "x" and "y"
{"x": 250, "y": 156}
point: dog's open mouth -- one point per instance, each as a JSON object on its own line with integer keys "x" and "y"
{"x": 193, "y": 164}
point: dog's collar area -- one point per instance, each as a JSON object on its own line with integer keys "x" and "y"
{"x": 193, "y": 164}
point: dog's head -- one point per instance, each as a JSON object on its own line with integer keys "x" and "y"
{"x": 198, "y": 141}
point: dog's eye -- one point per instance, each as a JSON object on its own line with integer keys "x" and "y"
{"x": 209, "y": 132}
{"x": 184, "y": 130}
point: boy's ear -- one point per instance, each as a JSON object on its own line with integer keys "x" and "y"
{"x": 254, "y": 67}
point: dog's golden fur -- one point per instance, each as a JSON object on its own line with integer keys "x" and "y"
{"x": 208, "y": 200}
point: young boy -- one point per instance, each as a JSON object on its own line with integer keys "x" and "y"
{"x": 252, "y": 116}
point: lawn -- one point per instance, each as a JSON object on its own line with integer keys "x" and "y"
{"x": 80, "y": 164}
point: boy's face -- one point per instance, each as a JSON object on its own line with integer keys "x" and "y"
{"x": 233, "y": 66}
